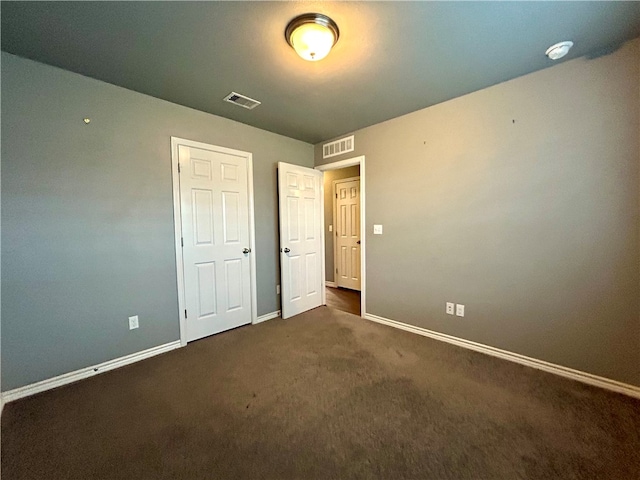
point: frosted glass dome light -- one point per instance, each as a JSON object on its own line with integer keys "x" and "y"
{"x": 312, "y": 35}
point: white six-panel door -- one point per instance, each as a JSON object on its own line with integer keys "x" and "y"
{"x": 347, "y": 234}
{"x": 301, "y": 244}
{"x": 216, "y": 249}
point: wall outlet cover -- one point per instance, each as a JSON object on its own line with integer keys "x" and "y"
{"x": 460, "y": 310}
{"x": 449, "y": 308}
{"x": 377, "y": 229}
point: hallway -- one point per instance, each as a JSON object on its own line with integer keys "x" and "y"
{"x": 344, "y": 299}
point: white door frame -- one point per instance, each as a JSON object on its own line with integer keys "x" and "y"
{"x": 177, "y": 225}
{"x": 334, "y": 189}
{"x": 363, "y": 228}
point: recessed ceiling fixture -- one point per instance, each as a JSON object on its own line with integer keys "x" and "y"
{"x": 312, "y": 35}
{"x": 559, "y": 50}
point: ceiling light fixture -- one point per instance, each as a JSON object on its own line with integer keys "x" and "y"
{"x": 312, "y": 35}
{"x": 559, "y": 50}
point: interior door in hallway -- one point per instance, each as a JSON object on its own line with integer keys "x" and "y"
{"x": 347, "y": 233}
{"x": 301, "y": 242}
{"x": 216, "y": 246}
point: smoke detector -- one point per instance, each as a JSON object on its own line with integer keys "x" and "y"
{"x": 559, "y": 50}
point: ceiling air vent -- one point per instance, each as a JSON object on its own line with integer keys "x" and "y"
{"x": 243, "y": 101}
{"x": 338, "y": 147}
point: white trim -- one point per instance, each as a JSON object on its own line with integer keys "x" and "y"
{"x": 177, "y": 229}
{"x": 177, "y": 226}
{"x": 327, "y": 283}
{"x": 584, "y": 377}
{"x": 349, "y": 162}
{"x": 267, "y": 316}
{"x": 323, "y": 267}
{"x": 342, "y": 180}
{"x": 252, "y": 241}
{"x": 86, "y": 372}
{"x": 363, "y": 227}
{"x": 363, "y": 235}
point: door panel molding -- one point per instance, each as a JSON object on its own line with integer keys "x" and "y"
{"x": 227, "y": 173}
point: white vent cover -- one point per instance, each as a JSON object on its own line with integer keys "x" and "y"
{"x": 242, "y": 100}
{"x": 338, "y": 147}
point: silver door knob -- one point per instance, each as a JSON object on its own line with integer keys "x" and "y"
{"x": 286, "y": 250}
{"x": 246, "y": 250}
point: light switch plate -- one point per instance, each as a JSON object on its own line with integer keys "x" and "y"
{"x": 377, "y": 229}
{"x": 460, "y": 310}
{"x": 331, "y": 228}
{"x": 133, "y": 322}
{"x": 449, "y": 308}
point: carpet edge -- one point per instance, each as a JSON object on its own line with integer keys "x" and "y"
{"x": 71, "y": 377}
{"x": 573, "y": 374}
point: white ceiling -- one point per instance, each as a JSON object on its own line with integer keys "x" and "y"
{"x": 392, "y": 57}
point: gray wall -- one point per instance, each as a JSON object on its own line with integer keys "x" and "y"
{"x": 87, "y": 217}
{"x": 329, "y": 177}
{"x": 521, "y": 201}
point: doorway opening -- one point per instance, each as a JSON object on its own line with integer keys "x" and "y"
{"x": 344, "y": 232}
{"x": 343, "y": 299}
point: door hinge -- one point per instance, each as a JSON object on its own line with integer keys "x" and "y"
{"x": 178, "y": 168}
{"x": 182, "y": 241}
{"x": 185, "y": 313}
{"x": 336, "y": 270}
{"x": 336, "y": 195}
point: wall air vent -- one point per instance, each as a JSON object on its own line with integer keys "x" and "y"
{"x": 337, "y": 147}
{"x": 242, "y": 100}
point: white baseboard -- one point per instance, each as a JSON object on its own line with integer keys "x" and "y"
{"x": 267, "y": 316}
{"x": 602, "y": 382}
{"x": 87, "y": 372}
{"x": 331, "y": 284}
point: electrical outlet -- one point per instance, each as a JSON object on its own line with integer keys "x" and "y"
{"x": 377, "y": 229}
{"x": 133, "y": 322}
{"x": 278, "y": 289}
{"x": 460, "y": 310}
{"x": 450, "y": 308}
{"x": 331, "y": 228}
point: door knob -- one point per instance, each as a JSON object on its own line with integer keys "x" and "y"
{"x": 286, "y": 250}
{"x": 358, "y": 242}
{"x": 246, "y": 250}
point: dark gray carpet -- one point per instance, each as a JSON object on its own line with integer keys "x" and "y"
{"x": 324, "y": 395}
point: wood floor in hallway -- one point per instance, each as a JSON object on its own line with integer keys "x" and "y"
{"x": 344, "y": 299}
